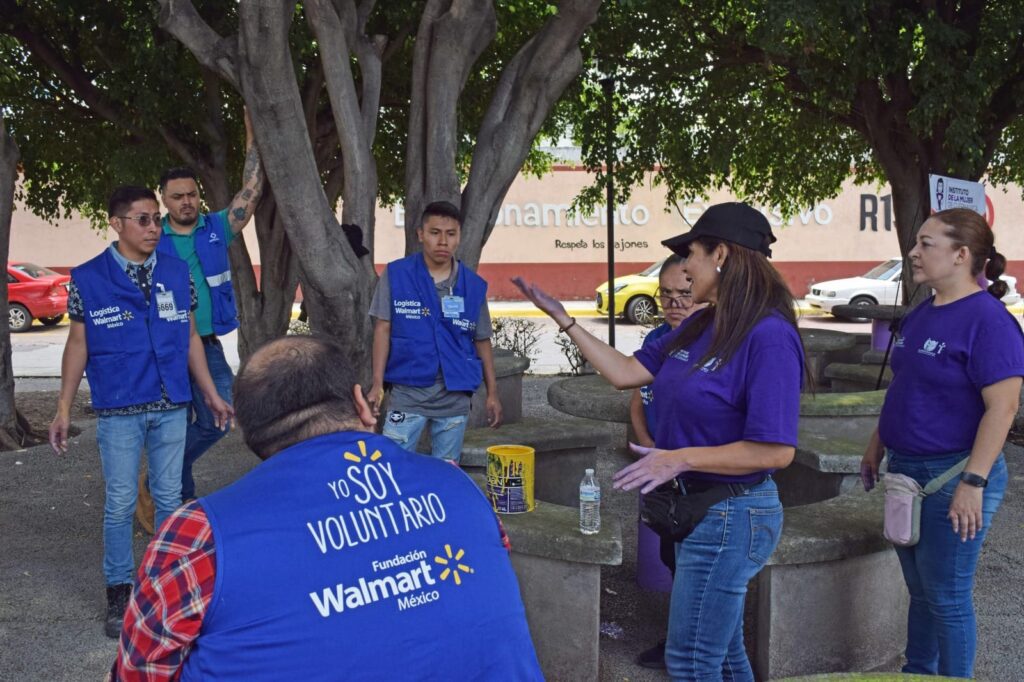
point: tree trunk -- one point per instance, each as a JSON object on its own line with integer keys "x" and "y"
{"x": 451, "y": 37}
{"x": 911, "y": 206}
{"x": 530, "y": 85}
{"x": 338, "y": 284}
{"x": 13, "y": 428}
{"x": 265, "y": 310}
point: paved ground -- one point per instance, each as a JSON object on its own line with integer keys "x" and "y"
{"x": 50, "y": 544}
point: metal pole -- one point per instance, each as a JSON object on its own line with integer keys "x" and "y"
{"x": 608, "y": 84}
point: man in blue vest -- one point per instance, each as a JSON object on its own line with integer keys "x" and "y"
{"x": 340, "y": 556}
{"x": 132, "y": 329}
{"x": 432, "y": 340}
{"x": 202, "y": 240}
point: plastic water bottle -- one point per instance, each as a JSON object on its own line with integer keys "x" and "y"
{"x": 590, "y": 504}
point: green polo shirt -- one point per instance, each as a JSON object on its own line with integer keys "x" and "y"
{"x": 185, "y": 245}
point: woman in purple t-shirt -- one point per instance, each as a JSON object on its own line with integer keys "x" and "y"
{"x": 957, "y": 368}
{"x": 740, "y": 362}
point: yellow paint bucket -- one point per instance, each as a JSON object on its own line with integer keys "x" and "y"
{"x": 510, "y": 478}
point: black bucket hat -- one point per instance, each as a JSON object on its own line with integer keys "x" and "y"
{"x": 734, "y": 222}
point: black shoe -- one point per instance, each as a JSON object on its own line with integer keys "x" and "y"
{"x": 653, "y": 658}
{"x": 117, "y": 603}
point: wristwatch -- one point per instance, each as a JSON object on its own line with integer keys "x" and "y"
{"x": 973, "y": 479}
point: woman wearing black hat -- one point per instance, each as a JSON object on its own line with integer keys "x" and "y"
{"x": 739, "y": 364}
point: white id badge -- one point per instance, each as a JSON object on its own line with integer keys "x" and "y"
{"x": 165, "y": 305}
{"x": 451, "y": 306}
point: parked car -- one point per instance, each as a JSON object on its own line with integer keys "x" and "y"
{"x": 879, "y": 285}
{"x": 35, "y": 293}
{"x": 634, "y": 295}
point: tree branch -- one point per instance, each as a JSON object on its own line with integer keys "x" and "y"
{"x": 360, "y": 168}
{"x": 217, "y": 53}
{"x": 451, "y": 37}
{"x": 529, "y": 87}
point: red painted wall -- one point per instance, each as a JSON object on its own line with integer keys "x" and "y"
{"x": 577, "y": 281}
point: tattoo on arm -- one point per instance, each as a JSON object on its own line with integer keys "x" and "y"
{"x": 245, "y": 201}
{"x": 252, "y": 165}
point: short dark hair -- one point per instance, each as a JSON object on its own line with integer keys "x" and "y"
{"x": 293, "y": 389}
{"x": 124, "y": 196}
{"x": 670, "y": 260}
{"x": 442, "y": 209}
{"x": 177, "y": 174}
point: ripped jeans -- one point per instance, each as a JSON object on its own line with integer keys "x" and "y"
{"x": 446, "y": 433}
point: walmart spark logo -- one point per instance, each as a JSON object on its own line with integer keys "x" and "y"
{"x": 362, "y": 454}
{"x": 127, "y": 315}
{"x": 450, "y": 569}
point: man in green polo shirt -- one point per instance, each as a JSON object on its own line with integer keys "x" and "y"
{"x": 202, "y": 240}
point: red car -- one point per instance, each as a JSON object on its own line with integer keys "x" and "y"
{"x": 35, "y": 292}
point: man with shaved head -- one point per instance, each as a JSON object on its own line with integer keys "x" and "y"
{"x": 340, "y": 555}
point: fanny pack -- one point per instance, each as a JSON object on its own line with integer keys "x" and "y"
{"x": 673, "y": 513}
{"x": 903, "y": 497}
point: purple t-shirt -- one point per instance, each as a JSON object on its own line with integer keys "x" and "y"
{"x": 942, "y": 359}
{"x": 755, "y": 396}
{"x": 647, "y": 392}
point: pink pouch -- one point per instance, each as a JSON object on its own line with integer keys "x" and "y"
{"x": 903, "y": 498}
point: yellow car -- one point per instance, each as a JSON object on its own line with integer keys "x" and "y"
{"x": 634, "y": 295}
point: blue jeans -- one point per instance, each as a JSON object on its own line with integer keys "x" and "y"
{"x": 713, "y": 566}
{"x": 939, "y": 571}
{"x": 121, "y": 440}
{"x": 202, "y": 430}
{"x": 446, "y": 433}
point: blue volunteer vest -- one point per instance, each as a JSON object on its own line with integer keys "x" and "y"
{"x": 347, "y": 557}
{"x": 210, "y": 240}
{"x": 647, "y": 392}
{"x": 422, "y": 338}
{"x": 132, "y": 349}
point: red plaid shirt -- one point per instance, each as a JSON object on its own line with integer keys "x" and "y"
{"x": 175, "y": 585}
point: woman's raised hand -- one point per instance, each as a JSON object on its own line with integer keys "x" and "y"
{"x": 544, "y": 301}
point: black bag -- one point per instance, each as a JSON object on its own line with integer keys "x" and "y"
{"x": 673, "y": 514}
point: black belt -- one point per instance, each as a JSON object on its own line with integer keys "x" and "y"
{"x": 693, "y": 487}
{"x": 208, "y": 339}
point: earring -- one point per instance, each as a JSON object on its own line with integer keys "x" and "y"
{"x": 718, "y": 269}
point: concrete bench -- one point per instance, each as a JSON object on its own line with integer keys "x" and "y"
{"x": 563, "y": 449}
{"x": 832, "y": 596}
{"x": 880, "y": 315}
{"x": 590, "y": 397}
{"x": 559, "y": 572}
{"x": 847, "y": 377}
{"x": 834, "y": 431}
{"x": 822, "y": 347}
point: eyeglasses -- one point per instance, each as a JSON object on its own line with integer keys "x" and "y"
{"x": 143, "y": 219}
{"x": 673, "y": 301}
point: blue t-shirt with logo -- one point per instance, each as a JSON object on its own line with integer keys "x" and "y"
{"x": 755, "y": 396}
{"x": 943, "y": 357}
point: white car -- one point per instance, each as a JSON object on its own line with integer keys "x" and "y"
{"x": 877, "y": 286}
